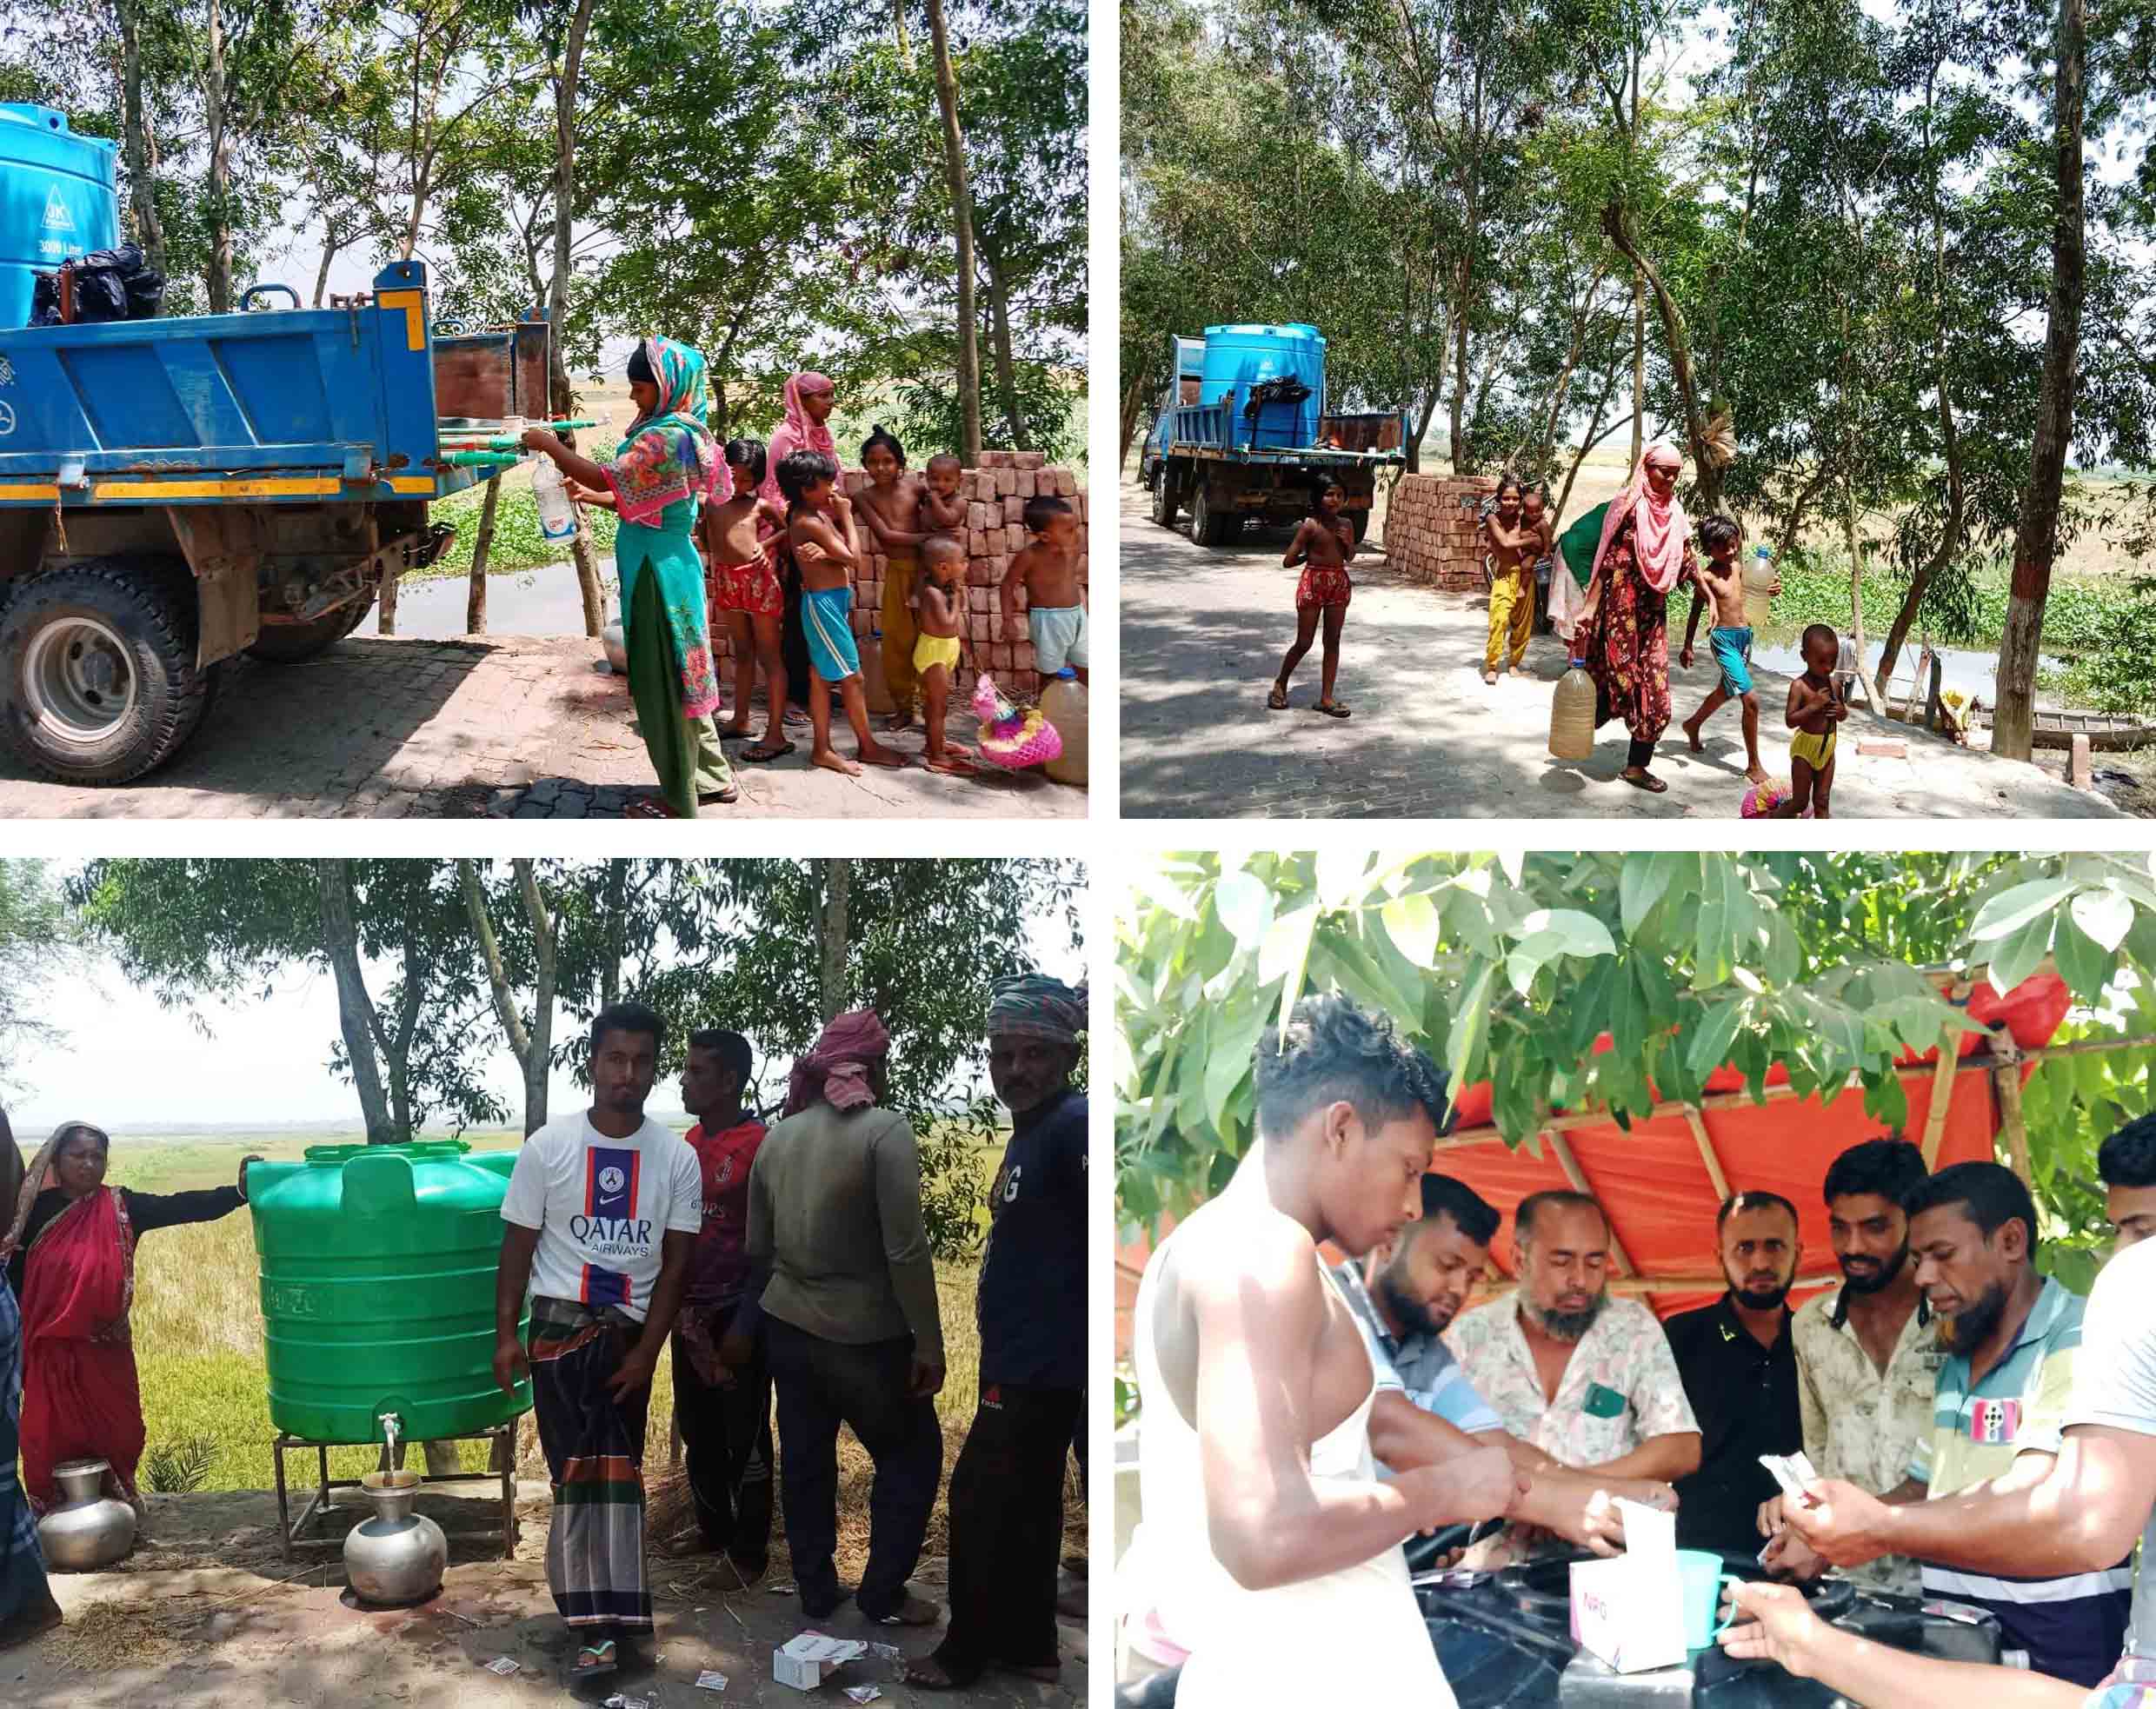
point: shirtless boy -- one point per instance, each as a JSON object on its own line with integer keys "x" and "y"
{"x": 1267, "y": 1509}
{"x": 820, "y": 529}
{"x": 1322, "y": 545}
{"x": 1721, "y": 583}
{"x": 942, "y": 510}
{"x": 940, "y": 606}
{"x": 1815, "y": 712}
{"x": 1055, "y": 601}
{"x": 1513, "y": 548}
{"x": 890, "y": 504}
{"x": 745, "y": 595}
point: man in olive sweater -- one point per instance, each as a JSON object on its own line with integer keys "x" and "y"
{"x": 851, "y": 1314}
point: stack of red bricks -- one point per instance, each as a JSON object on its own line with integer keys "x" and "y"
{"x": 1433, "y": 529}
{"x": 995, "y": 495}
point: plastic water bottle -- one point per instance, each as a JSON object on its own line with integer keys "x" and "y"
{"x": 1063, "y": 704}
{"x": 1759, "y": 576}
{"x": 1572, "y": 714}
{"x": 558, "y": 516}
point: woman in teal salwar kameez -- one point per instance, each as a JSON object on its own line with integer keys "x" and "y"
{"x": 664, "y": 468}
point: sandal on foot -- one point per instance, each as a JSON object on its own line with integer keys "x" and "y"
{"x": 765, "y": 751}
{"x": 1277, "y": 700}
{"x": 646, "y": 806}
{"x": 1333, "y": 709}
{"x": 1646, "y": 780}
{"x": 725, "y": 797}
{"x": 594, "y": 1660}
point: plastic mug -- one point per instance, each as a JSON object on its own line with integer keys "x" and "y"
{"x": 1702, "y": 1575}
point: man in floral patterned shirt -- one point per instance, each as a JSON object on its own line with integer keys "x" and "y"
{"x": 1587, "y": 1379}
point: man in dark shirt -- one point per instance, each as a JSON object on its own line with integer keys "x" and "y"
{"x": 1740, "y": 1370}
{"x": 721, "y": 1369}
{"x": 1007, "y": 1490}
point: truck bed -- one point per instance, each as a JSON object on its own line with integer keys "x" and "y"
{"x": 290, "y": 406}
{"x": 1222, "y": 431}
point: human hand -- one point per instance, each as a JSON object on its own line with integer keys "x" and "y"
{"x": 634, "y": 1373}
{"x": 511, "y": 1365}
{"x": 251, "y": 1157}
{"x": 539, "y": 439}
{"x": 1467, "y": 1489}
{"x": 925, "y": 1379}
{"x": 1788, "y": 1556}
{"x": 1782, "y": 1627}
{"x": 1841, "y": 1522}
{"x": 1769, "y": 1517}
{"x": 1685, "y": 658}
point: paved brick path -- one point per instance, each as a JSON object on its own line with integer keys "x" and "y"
{"x": 1202, "y": 635}
{"x": 505, "y": 726}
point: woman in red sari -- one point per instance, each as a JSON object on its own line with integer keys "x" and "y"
{"x": 70, "y": 1251}
{"x": 1623, "y": 627}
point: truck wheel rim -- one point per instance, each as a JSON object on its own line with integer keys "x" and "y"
{"x": 78, "y": 680}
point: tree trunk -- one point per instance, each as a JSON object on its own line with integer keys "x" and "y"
{"x": 837, "y": 880}
{"x": 1133, "y": 407}
{"x": 475, "y": 601}
{"x": 962, "y": 216}
{"x": 220, "y": 275}
{"x": 340, "y": 941}
{"x": 1872, "y": 695}
{"x": 498, "y": 981}
{"x": 331, "y": 247}
{"x": 1639, "y": 369}
{"x": 385, "y": 605}
{"x": 142, "y": 187}
{"x": 1006, "y": 364}
{"x": 616, "y": 933}
{"x": 1707, "y": 474}
{"x": 1794, "y": 520}
{"x": 561, "y": 397}
{"x": 545, "y": 932}
{"x": 2036, "y": 537}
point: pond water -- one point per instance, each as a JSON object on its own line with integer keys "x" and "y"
{"x": 525, "y": 601}
{"x": 1972, "y": 669}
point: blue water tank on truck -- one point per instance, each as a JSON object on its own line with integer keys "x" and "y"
{"x": 175, "y": 492}
{"x": 1243, "y": 434}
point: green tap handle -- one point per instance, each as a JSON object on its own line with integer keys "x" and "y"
{"x": 503, "y": 442}
{"x": 479, "y": 460}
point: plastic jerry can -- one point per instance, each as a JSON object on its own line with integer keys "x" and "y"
{"x": 1759, "y": 576}
{"x": 1063, "y": 704}
{"x": 1572, "y": 714}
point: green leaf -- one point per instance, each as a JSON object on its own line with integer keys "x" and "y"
{"x": 1470, "y": 1026}
{"x": 1341, "y": 881}
{"x": 1245, "y": 907}
{"x": 2022, "y": 952}
{"x": 1287, "y": 947}
{"x": 1710, "y": 1043}
{"x": 1229, "y": 1049}
{"x": 2012, "y": 909}
{"x": 1645, "y": 878}
{"x": 1575, "y": 932}
{"x": 2085, "y": 964}
{"x": 2104, "y": 915}
{"x": 1411, "y": 922}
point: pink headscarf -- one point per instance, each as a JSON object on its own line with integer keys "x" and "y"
{"x": 836, "y": 1067}
{"x": 796, "y": 432}
{"x": 1660, "y": 527}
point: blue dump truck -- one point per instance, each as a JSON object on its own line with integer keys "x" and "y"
{"x": 175, "y": 492}
{"x": 1243, "y": 434}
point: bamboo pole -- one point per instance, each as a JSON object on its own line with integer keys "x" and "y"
{"x": 1698, "y": 1125}
{"x": 1942, "y": 1100}
{"x": 2006, "y": 1082}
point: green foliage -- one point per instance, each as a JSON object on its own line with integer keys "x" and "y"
{"x": 2072, "y": 1104}
{"x": 40, "y": 944}
{"x": 519, "y": 543}
{"x": 177, "y": 1467}
{"x": 2079, "y": 616}
{"x": 1507, "y": 968}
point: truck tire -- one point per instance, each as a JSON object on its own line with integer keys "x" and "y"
{"x": 294, "y": 643}
{"x": 1210, "y": 525}
{"x": 97, "y": 668}
{"x": 1164, "y": 504}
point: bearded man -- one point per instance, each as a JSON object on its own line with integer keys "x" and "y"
{"x": 1587, "y": 1379}
{"x": 1740, "y": 1371}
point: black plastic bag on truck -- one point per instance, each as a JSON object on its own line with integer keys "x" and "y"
{"x": 145, "y": 294}
{"x": 44, "y": 299}
{"x": 100, "y": 294}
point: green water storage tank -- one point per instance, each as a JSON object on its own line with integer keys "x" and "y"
{"x": 377, "y": 1289}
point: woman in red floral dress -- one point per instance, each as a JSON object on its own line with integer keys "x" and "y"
{"x": 1645, "y": 554}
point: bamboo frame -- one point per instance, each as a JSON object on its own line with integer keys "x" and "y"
{"x": 1571, "y": 1167}
{"x": 1942, "y": 1100}
{"x": 1707, "y": 1155}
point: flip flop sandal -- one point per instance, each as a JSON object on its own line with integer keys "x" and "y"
{"x": 762, "y": 754}
{"x": 645, "y": 807}
{"x": 1333, "y": 709}
{"x": 594, "y": 1661}
{"x": 1647, "y": 780}
{"x": 725, "y": 797}
{"x": 1276, "y": 701}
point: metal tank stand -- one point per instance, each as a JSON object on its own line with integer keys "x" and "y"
{"x": 501, "y": 1445}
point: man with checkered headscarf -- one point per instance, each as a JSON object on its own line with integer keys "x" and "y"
{"x": 1007, "y": 1490}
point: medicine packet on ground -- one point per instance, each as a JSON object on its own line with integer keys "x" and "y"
{"x": 504, "y": 1665}
{"x": 863, "y": 1693}
{"x": 711, "y": 1680}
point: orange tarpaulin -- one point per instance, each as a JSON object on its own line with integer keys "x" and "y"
{"x": 1655, "y": 1184}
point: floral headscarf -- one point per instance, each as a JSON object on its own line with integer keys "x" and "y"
{"x": 668, "y": 455}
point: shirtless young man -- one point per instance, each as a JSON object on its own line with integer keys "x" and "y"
{"x": 1271, "y": 1551}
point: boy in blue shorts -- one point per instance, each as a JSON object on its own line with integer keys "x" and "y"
{"x": 1719, "y": 581}
{"x": 1055, "y": 600}
{"x": 820, "y": 529}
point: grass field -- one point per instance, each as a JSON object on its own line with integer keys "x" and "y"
{"x": 198, "y": 1342}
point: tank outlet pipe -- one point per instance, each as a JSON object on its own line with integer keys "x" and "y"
{"x": 479, "y": 460}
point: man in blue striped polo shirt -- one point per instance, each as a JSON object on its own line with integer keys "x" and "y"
{"x": 2005, "y": 1395}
